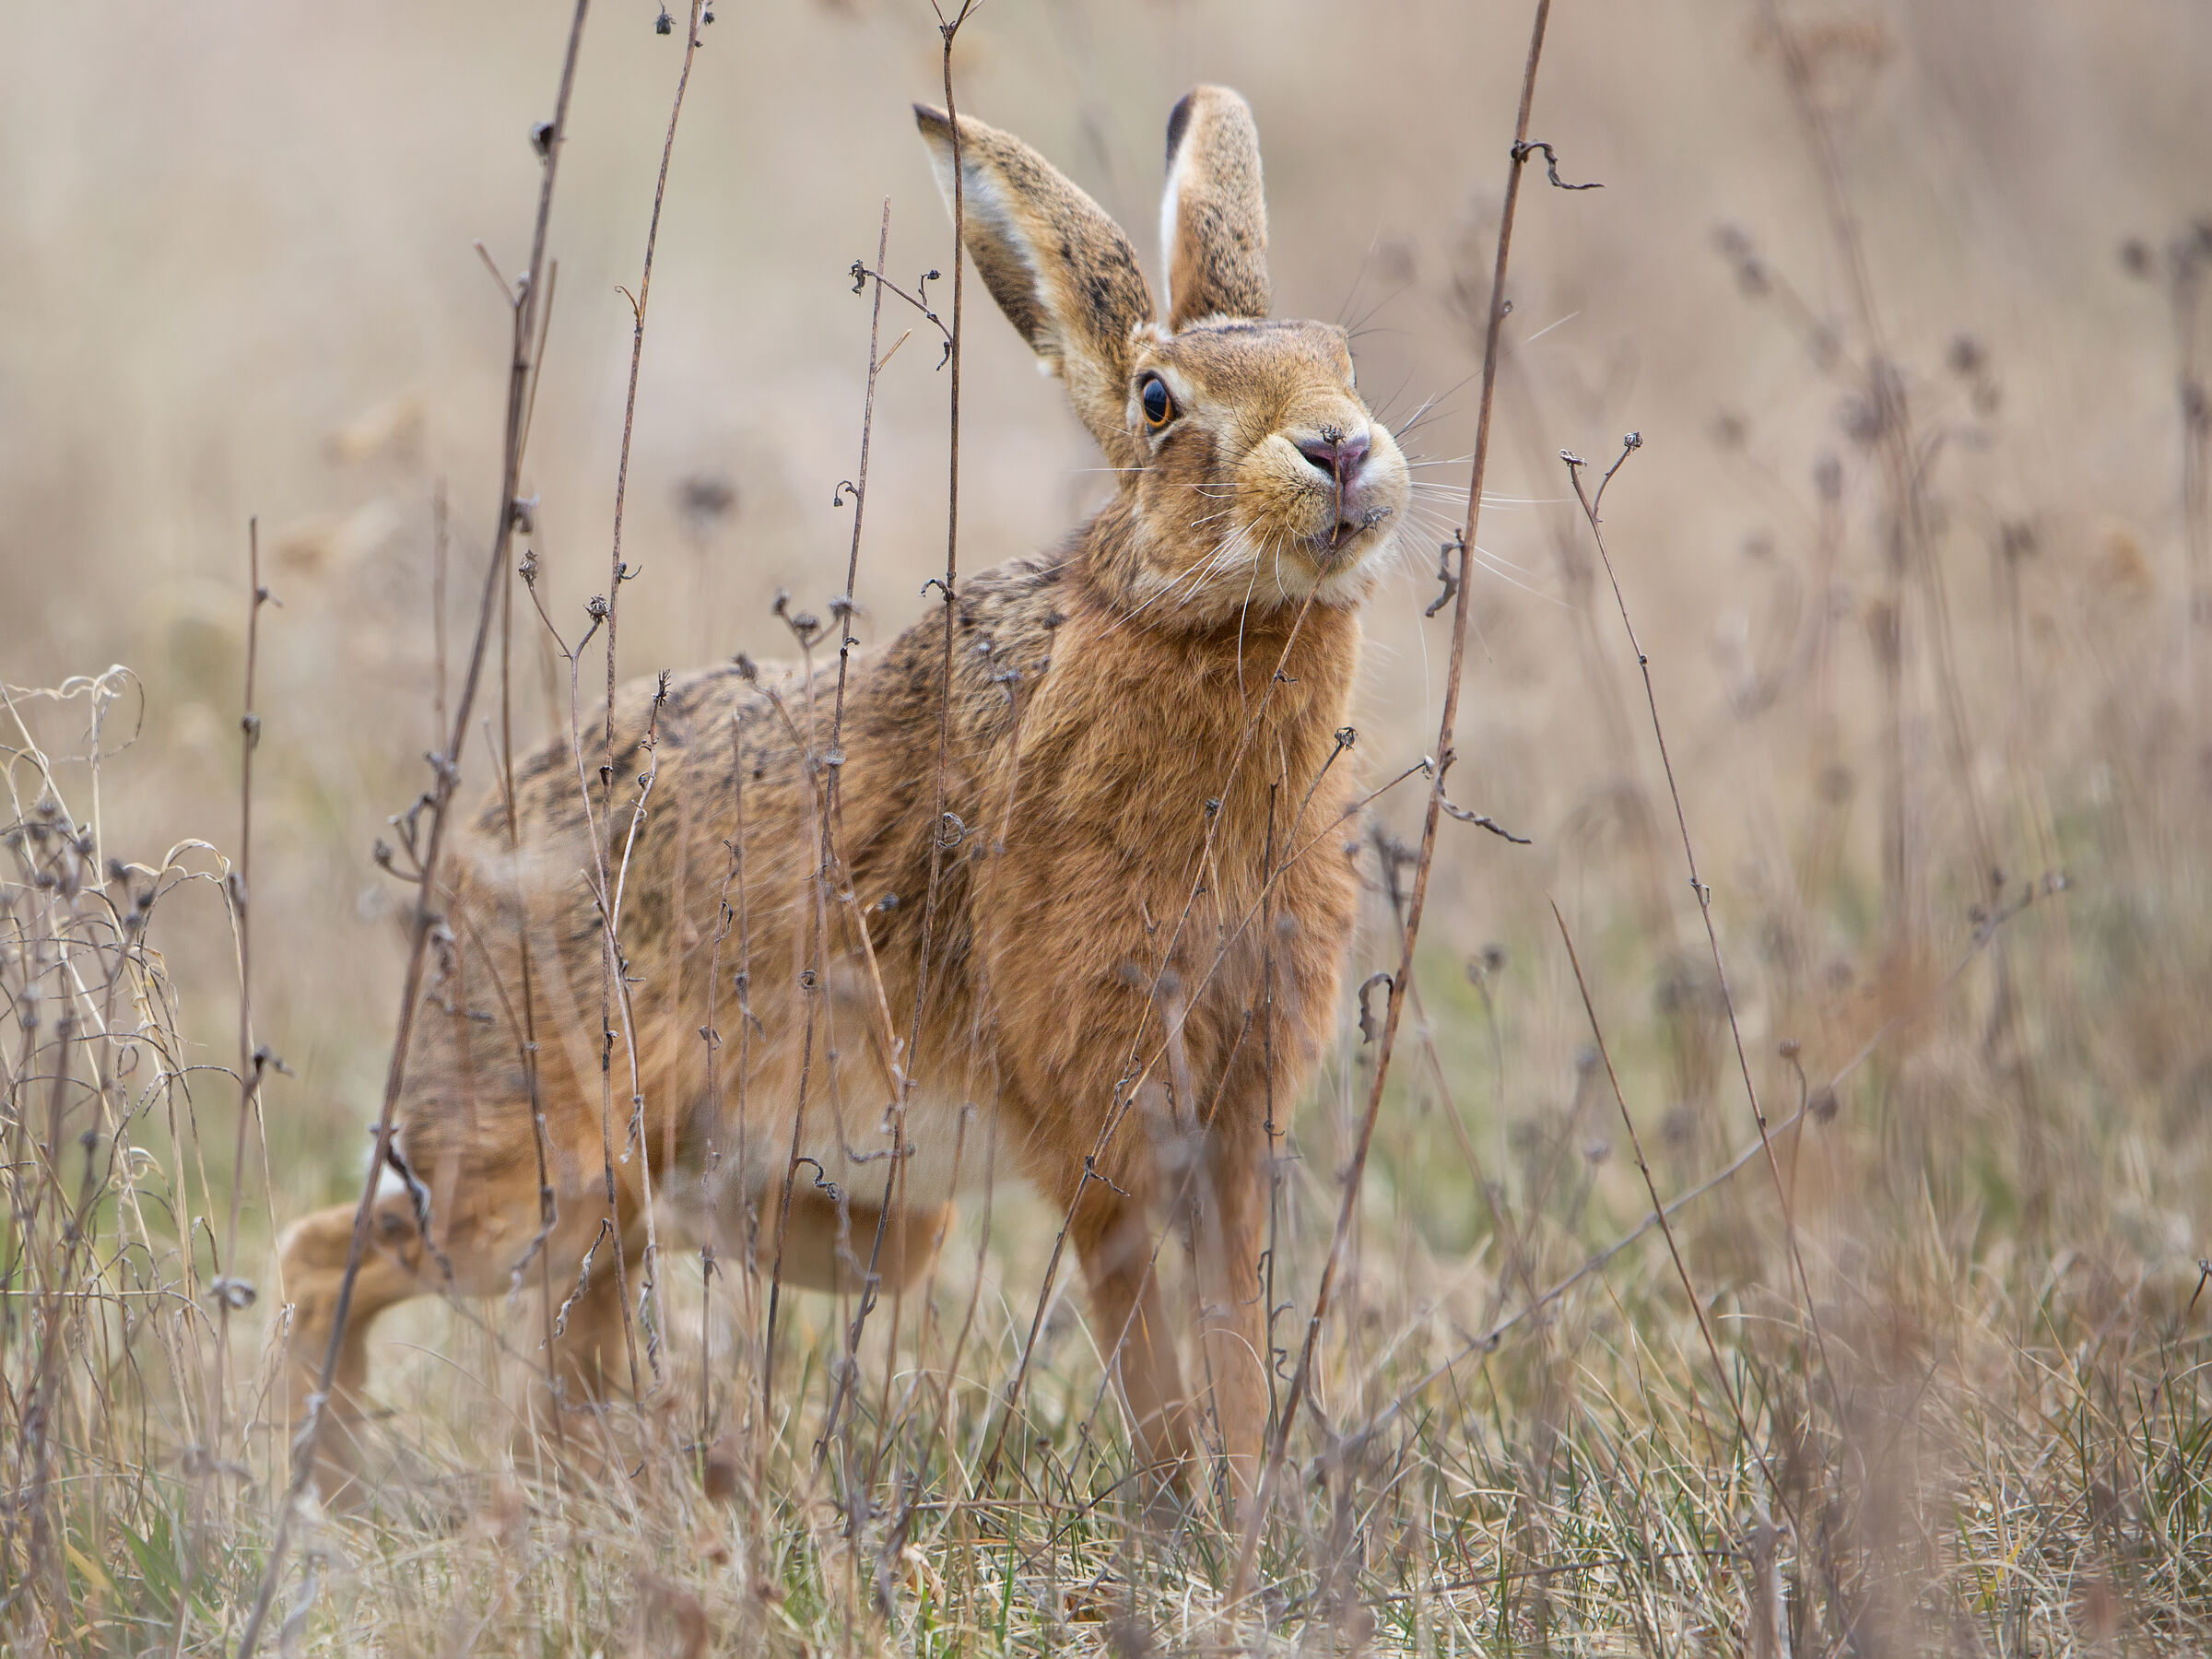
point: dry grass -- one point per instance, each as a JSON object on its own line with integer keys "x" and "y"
{"x": 1913, "y": 557}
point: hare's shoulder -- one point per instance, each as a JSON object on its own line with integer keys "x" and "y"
{"x": 712, "y": 719}
{"x": 753, "y": 718}
{"x": 1003, "y": 620}
{"x": 1012, "y": 610}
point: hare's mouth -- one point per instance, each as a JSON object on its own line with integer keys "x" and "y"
{"x": 1350, "y": 534}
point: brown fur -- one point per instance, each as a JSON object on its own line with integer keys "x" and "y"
{"x": 1214, "y": 219}
{"x": 1109, "y": 971}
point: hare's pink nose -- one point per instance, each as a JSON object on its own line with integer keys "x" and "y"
{"x": 1336, "y": 454}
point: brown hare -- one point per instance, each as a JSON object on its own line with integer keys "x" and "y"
{"x": 1143, "y": 889}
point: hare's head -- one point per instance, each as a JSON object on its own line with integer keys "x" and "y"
{"x": 1252, "y": 474}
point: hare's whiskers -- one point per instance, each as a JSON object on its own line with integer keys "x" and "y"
{"x": 1421, "y": 416}
{"x": 1243, "y": 612}
{"x": 1547, "y": 327}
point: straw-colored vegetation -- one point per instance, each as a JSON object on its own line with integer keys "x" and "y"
{"x": 1906, "y": 304}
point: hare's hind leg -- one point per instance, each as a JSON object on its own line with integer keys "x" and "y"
{"x": 483, "y": 1221}
{"x": 312, "y": 1255}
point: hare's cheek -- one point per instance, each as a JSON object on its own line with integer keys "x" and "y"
{"x": 1284, "y": 498}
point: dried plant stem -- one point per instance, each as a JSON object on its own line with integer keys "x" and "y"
{"x": 949, "y": 32}
{"x": 1666, "y": 1230}
{"x": 709, "y": 1033}
{"x": 521, "y": 371}
{"x": 618, "y": 573}
{"x": 832, "y": 822}
{"x": 1590, "y": 503}
{"x": 791, "y": 1171}
{"x": 547, "y": 1204}
{"x": 437, "y": 566}
{"x": 1301, "y": 1378}
{"x": 230, "y": 1288}
{"x": 612, "y": 988}
{"x": 845, "y": 641}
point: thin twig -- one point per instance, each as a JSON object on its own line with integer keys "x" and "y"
{"x": 1643, "y": 1168}
{"x": 833, "y": 821}
{"x": 230, "y": 1290}
{"x": 1590, "y": 503}
{"x": 948, "y": 30}
{"x": 1301, "y": 1378}
{"x": 611, "y": 969}
{"x": 520, "y": 373}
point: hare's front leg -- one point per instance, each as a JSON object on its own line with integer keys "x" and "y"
{"x": 1115, "y": 1241}
{"x": 1232, "y": 1321}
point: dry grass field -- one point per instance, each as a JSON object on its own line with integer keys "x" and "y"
{"x": 1906, "y": 304}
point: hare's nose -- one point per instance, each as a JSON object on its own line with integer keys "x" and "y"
{"x": 1337, "y": 455}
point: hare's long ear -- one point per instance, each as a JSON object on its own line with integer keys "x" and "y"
{"x": 1059, "y": 269}
{"x": 1213, "y": 220}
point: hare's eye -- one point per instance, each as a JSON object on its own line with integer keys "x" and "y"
{"x": 1159, "y": 409}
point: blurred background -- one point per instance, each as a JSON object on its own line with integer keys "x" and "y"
{"x": 237, "y": 256}
{"x": 1902, "y": 298}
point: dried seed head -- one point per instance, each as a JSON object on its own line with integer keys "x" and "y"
{"x": 718, "y": 1473}
{"x": 705, "y": 498}
{"x": 1827, "y": 478}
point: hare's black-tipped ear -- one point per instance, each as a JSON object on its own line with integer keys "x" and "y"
{"x": 1059, "y": 269}
{"x": 1213, "y": 220}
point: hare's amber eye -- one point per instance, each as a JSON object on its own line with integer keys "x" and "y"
{"x": 1159, "y": 409}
